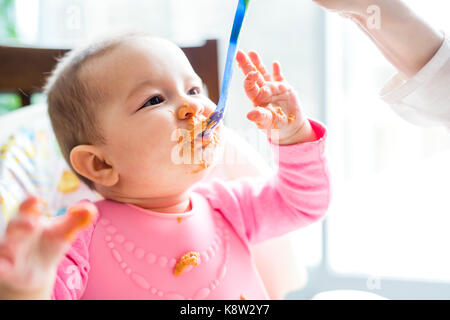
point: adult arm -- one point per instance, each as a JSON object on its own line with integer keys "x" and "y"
{"x": 419, "y": 92}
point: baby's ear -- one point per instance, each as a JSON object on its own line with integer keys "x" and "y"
{"x": 88, "y": 161}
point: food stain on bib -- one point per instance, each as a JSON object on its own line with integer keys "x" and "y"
{"x": 189, "y": 259}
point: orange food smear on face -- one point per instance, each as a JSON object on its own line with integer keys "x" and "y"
{"x": 179, "y": 219}
{"x": 190, "y": 258}
{"x": 199, "y": 125}
{"x": 242, "y": 297}
{"x": 171, "y": 111}
{"x": 181, "y": 113}
{"x": 203, "y": 166}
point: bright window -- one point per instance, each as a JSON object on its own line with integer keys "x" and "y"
{"x": 391, "y": 213}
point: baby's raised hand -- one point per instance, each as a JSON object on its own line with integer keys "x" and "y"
{"x": 31, "y": 249}
{"x": 276, "y": 103}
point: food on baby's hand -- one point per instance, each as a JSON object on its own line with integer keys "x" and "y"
{"x": 291, "y": 118}
{"x": 280, "y": 111}
{"x": 190, "y": 258}
{"x": 84, "y": 212}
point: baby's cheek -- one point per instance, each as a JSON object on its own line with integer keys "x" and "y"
{"x": 154, "y": 152}
{"x": 210, "y": 107}
{"x": 149, "y": 141}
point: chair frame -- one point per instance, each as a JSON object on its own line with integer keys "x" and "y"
{"x": 23, "y": 70}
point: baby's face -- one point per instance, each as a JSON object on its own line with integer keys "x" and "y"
{"x": 153, "y": 96}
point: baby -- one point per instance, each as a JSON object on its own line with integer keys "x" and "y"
{"x": 117, "y": 108}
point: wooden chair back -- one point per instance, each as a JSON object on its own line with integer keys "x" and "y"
{"x": 24, "y": 70}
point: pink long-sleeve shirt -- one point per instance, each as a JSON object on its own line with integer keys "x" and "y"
{"x": 130, "y": 252}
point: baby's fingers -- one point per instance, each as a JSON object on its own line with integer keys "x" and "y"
{"x": 78, "y": 217}
{"x": 7, "y": 258}
{"x": 252, "y": 88}
{"x": 247, "y": 66}
{"x": 30, "y": 208}
{"x": 263, "y": 117}
{"x": 25, "y": 222}
{"x": 259, "y": 65}
{"x": 276, "y": 70}
{"x": 64, "y": 229}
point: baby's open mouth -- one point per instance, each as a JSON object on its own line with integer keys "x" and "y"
{"x": 199, "y": 150}
{"x": 198, "y": 124}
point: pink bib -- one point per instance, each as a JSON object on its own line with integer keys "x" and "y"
{"x": 133, "y": 253}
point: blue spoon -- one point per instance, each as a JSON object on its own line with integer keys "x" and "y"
{"x": 215, "y": 117}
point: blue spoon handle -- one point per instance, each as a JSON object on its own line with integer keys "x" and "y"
{"x": 214, "y": 119}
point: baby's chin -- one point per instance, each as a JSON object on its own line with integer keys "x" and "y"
{"x": 205, "y": 159}
{"x": 184, "y": 172}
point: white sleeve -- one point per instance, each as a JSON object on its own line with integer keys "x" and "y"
{"x": 423, "y": 99}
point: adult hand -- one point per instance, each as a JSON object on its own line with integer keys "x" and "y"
{"x": 404, "y": 38}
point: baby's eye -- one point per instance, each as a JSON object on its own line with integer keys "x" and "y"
{"x": 154, "y": 101}
{"x": 194, "y": 91}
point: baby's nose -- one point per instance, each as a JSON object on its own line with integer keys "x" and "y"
{"x": 187, "y": 111}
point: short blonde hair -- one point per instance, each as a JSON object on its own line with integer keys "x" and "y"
{"x": 73, "y": 101}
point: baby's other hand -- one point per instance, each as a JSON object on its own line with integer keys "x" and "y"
{"x": 31, "y": 249}
{"x": 276, "y": 103}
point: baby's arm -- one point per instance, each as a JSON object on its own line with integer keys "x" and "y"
{"x": 31, "y": 249}
{"x": 298, "y": 194}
